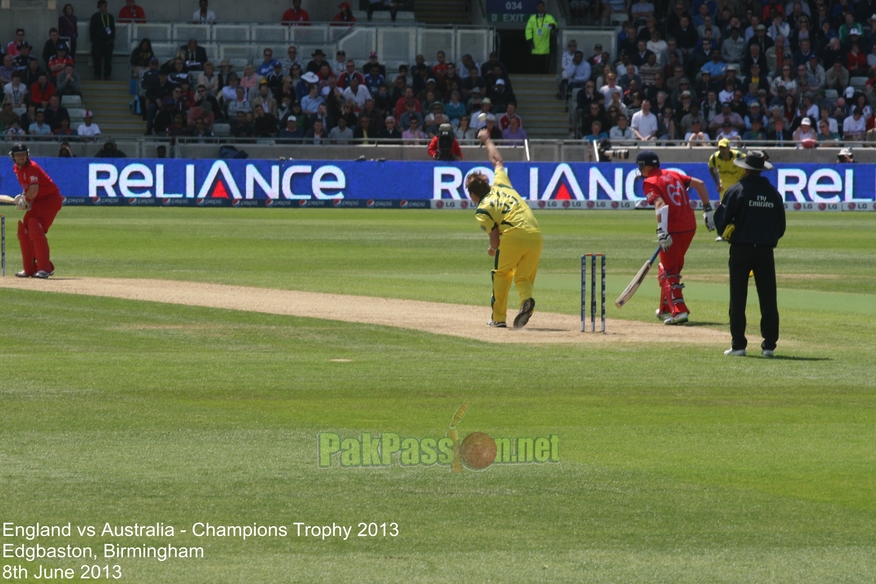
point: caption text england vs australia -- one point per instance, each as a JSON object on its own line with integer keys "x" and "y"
{"x": 26, "y": 546}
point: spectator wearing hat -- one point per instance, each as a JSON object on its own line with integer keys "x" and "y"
{"x": 102, "y": 31}
{"x": 295, "y": 15}
{"x": 756, "y": 231}
{"x": 203, "y": 14}
{"x": 501, "y": 97}
{"x": 131, "y": 12}
{"x": 291, "y": 130}
{"x": 763, "y": 41}
{"x": 24, "y": 59}
{"x": 805, "y": 135}
{"x": 315, "y": 65}
{"x": 849, "y": 28}
{"x": 845, "y": 156}
{"x": 59, "y": 61}
{"x": 373, "y": 60}
{"x": 88, "y": 130}
{"x": 345, "y": 15}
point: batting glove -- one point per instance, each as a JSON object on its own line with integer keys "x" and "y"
{"x": 709, "y": 217}
{"x": 664, "y": 239}
{"x": 22, "y": 203}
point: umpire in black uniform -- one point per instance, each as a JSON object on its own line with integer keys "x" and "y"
{"x": 752, "y": 218}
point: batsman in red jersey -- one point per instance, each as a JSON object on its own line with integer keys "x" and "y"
{"x": 42, "y": 201}
{"x": 676, "y": 227}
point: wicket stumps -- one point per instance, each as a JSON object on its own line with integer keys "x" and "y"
{"x": 592, "y": 257}
{"x": 2, "y": 245}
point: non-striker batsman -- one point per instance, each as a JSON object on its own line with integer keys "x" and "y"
{"x": 42, "y": 200}
{"x": 676, "y": 227}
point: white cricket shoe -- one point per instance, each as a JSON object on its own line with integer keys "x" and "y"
{"x": 735, "y": 352}
{"x": 768, "y": 353}
{"x": 679, "y": 318}
{"x": 662, "y": 315}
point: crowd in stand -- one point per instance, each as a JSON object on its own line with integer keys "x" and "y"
{"x": 321, "y": 99}
{"x": 798, "y": 73}
{"x": 315, "y": 100}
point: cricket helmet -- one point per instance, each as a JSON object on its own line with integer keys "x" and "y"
{"x": 647, "y": 158}
{"x": 18, "y": 147}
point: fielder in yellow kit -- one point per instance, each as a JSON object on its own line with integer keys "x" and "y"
{"x": 515, "y": 239}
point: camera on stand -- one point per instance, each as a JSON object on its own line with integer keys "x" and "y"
{"x": 605, "y": 153}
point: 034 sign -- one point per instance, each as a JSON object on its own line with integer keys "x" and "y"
{"x": 510, "y": 10}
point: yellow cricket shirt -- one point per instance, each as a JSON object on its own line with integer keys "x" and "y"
{"x": 504, "y": 208}
{"x": 729, "y": 172}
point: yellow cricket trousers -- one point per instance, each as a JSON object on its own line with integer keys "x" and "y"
{"x": 516, "y": 261}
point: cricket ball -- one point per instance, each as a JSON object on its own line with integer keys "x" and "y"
{"x": 478, "y": 450}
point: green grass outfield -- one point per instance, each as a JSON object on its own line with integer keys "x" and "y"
{"x": 677, "y": 464}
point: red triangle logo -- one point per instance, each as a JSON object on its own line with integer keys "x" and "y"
{"x": 219, "y": 191}
{"x": 563, "y": 193}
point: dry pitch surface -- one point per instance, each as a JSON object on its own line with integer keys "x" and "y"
{"x": 457, "y": 320}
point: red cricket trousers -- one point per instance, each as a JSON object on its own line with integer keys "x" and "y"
{"x": 669, "y": 273}
{"x": 32, "y": 234}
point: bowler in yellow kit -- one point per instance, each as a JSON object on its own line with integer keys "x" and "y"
{"x": 515, "y": 239}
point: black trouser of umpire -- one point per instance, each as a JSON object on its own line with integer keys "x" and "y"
{"x": 745, "y": 258}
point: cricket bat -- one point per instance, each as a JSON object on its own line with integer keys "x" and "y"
{"x": 7, "y": 200}
{"x": 637, "y": 281}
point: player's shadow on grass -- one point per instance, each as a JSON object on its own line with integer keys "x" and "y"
{"x": 792, "y": 358}
{"x": 701, "y": 323}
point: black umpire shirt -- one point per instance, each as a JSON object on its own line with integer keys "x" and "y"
{"x": 757, "y": 210}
